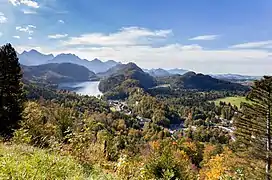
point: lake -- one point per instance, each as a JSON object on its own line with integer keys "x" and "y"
{"x": 84, "y": 88}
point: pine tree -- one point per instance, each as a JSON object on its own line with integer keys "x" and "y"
{"x": 10, "y": 90}
{"x": 253, "y": 128}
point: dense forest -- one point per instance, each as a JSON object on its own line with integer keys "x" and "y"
{"x": 142, "y": 128}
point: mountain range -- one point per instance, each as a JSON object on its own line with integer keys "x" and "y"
{"x": 34, "y": 58}
{"x": 102, "y": 68}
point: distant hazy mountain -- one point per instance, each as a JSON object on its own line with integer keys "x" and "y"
{"x": 57, "y": 73}
{"x": 111, "y": 63}
{"x": 234, "y": 77}
{"x": 177, "y": 71}
{"x": 158, "y": 72}
{"x": 33, "y": 57}
{"x": 95, "y": 65}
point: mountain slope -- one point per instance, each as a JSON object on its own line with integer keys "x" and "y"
{"x": 57, "y": 73}
{"x": 191, "y": 80}
{"x": 177, "y": 71}
{"x": 130, "y": 74}
{"x": 234, "y": 77}
{"x": 95, "y": 65}
{"x": 158, "y": 72}
{"x": 33, "y": 57}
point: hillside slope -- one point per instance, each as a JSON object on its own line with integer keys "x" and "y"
{"x": 191, "y": 80}
{"x": 57, "y": 73}
{"x": 119, "y": 74}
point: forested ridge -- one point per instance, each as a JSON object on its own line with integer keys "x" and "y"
{"x": 162, "y": 128}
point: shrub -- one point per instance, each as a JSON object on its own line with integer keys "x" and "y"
{"x": 26, "y": 162}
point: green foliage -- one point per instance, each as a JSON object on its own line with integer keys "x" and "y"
{"x": 11, "y": 95}
{"x": 165, "y": 162}
{"x": 136, "y": 78}
{"x": 253, "y": 127}
{"x": 25, "y": 162}
{"x": 165, "y": 132}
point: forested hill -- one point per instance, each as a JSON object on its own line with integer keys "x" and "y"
{"x": 114, "y": 77}
{"x": 57, "y": 73}
{"x": 191, "y": 80}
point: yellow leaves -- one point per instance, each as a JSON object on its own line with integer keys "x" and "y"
{"x": 218, "y": 166}
{"x": 155, "y": 145}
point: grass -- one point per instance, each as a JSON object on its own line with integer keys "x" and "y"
{"x": 232, "y": 100}
{"x": 25, "y": 162}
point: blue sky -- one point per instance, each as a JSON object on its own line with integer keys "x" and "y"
{"x": 209, "y": 36}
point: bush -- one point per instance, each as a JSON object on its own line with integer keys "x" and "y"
{"x": 26, "y": 162}
{"x": 167, "y": 162}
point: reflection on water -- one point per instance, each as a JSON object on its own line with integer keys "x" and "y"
{"x": 84, "y": 88}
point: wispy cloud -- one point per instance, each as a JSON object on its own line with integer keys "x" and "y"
{"x": 1, "y": 34}
{"x": 205, "y": 38}
{"x": 61, "y": 21}
{"x": 139, "y": 45}
{"x": 29, "y": 38}
{"x": 125, "y": 36}
{"x": 27, "y": 11}
{"x": 3, "y": 19}
{"x": 17, "y": 37}
{"x": 57, "y": 36}
{"x": 29, "y": 3}
{"x": 257, "y": 44}
{"x": 28, "y": 29}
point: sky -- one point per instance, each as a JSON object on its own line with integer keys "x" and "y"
{"x": 208, "y": 36}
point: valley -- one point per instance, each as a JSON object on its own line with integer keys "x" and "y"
{"x": 102, "y": 115}
{"x": 135, "y": 90}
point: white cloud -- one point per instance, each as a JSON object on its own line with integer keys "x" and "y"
{"x": 1, "y": 34}
{"x": 204, "y": 38}
{"x": 27, "y": 11}
{"x": 192, "y": 57}
{"x": 31, "y": 26}
{"x": 57, "y": 36}
{"x": 29, "y": 38}
{"x": 61, "y": 21}
{"x": 125, "y": 36}
{"x": 17, "y": 37}
{"x": 3, "y": 19}
{"x": 140, "y": 45}
{"x": 28, "y": 29}
{"x": 29, "y": 3}
{"x": 258, "y": 44}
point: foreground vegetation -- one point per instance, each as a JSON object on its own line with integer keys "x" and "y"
{"x": 27, "y": 162}
{"x": 159, "y": 133}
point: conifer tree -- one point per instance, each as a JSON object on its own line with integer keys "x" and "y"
{"x": 253, "y": 128}
{"x": 10, "y": 90}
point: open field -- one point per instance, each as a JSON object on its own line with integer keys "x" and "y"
{"x": 232, "y": 100}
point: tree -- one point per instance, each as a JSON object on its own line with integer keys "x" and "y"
{"x": 253, "y": 128}
{"x": 10, "y": 90}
